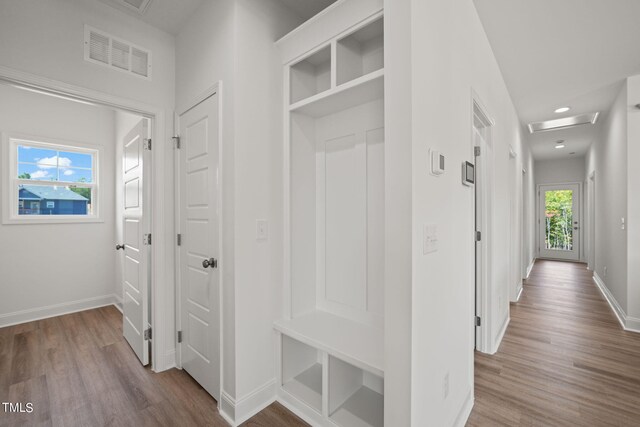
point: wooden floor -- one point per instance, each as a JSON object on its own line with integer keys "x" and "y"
{"x": 564, "y": 360}
{"x": 77, "y": 370}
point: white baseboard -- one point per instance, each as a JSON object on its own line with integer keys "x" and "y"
{"x": 227, "y": 408}
{"x": 465, "y": 411}
{"x": 118, "y": 303}
{"x": 237, "y": 411}
{"x": 530, "y": 267}
{"x": 170, "y": 359}
{"x": 520, "y": 292}
{"x": 498, "y": 340}
{"x": 628, "y": 323}
{"x": 39, "y": 313}
{"x": 301, "y": 410}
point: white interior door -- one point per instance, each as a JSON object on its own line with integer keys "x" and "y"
{"x": 482, "y": 225}
{"x": 136, "y": 251}
{"x": 199, "y": 228}
{"x": 559, "y": 221}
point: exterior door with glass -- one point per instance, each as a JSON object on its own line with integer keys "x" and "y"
{"x": 559, "y": 221}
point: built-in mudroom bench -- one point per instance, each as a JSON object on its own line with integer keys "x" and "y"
{"x": 330, "y": 340}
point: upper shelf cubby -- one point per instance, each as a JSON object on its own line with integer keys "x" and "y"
{"x": 311, "y": 75}
{"x": 361, "y": 52}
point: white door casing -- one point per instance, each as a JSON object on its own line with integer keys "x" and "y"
{"x": 135, "y": 287}
{"x": 570, "y": 254}
{"x": 199, "y": 303}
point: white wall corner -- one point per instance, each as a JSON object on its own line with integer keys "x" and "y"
{"x": 23, "y": 316}
{"x": 465, "y": 411}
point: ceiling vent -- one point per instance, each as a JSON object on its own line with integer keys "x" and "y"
{"x": 104, "y": 49}
{"x": 564, "y": 123}
{"x": 139, "y": 6}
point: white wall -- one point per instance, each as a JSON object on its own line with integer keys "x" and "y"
{"x": 560, "y": 171}
{"x": 451, "y": 57}
{"x": 232, "y": 42}
{"x": 608, "y": 158}
{"x": 48, "y": 264}
{"x": 259, "y": 190}
{"x": 46, "y": 38}
{"x": 633, "y": 203}
{"x": 398, "y": 214}
{"x": 205, "y": 56}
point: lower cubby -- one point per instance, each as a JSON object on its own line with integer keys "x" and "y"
{"x": 355, "y": 396}
{"x": 302, "y": 372}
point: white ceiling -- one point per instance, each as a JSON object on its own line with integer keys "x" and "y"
{"x": 305, "y": 9}
{"x": 168, "y": 15}
{"x": 556, "y": 53}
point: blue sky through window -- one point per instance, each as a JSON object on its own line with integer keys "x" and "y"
{"x": 43, "y": 164}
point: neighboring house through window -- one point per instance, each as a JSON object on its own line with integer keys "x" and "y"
{"x": 50, "y": 181}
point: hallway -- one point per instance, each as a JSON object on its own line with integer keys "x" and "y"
{"x": 564, "y": 360}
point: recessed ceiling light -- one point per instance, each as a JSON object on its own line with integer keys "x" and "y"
{"x": 562, "y": 110}
{"x": 560, "y": 146}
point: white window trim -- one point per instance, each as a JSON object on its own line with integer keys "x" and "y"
{"x": 9, "y": 163}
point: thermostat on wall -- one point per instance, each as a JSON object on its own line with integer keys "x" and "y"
{"x": 437, "y": 163}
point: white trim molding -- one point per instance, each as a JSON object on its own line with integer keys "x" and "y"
{"x": 39, "y": 313}
{"x": 628, "y": 323}
{"x": 236, "y": 412}
{"x": 533, "y": 261}
{"x": 465, "y": 411}
{"x": 498, "y": 340}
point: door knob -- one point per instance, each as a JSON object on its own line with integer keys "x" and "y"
{"x": 211, "y": 262}
{"x": 118, "y": 247}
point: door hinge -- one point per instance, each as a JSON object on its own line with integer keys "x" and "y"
{"x": 147, "y": 144}
{"x": 476, "y": 151}
{"x": 179, "y": 337}
{"x": 478, "y": 236}
{"x": 478, "y": 321}
{"x": 179, "y": 239}
{"x": 146, "y": 239}
{"x": 147, "y": 334}
{"x": 177, "y": 140}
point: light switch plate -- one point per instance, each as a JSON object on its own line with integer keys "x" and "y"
{"x": 262, "y": 229}
{"x": 429, "y": 238}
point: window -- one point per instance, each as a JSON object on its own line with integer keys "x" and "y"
{"x": 50, "y": 181}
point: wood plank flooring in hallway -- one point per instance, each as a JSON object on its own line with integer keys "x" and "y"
{"x": 564, "y": 360}
{"x": 77, "y": 370}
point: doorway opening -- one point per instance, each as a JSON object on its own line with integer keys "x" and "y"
{"x": 559, "y": 221}
{"x": 140, "y": 270}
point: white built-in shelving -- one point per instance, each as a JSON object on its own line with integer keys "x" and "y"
{"x": 331, "y": 342}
